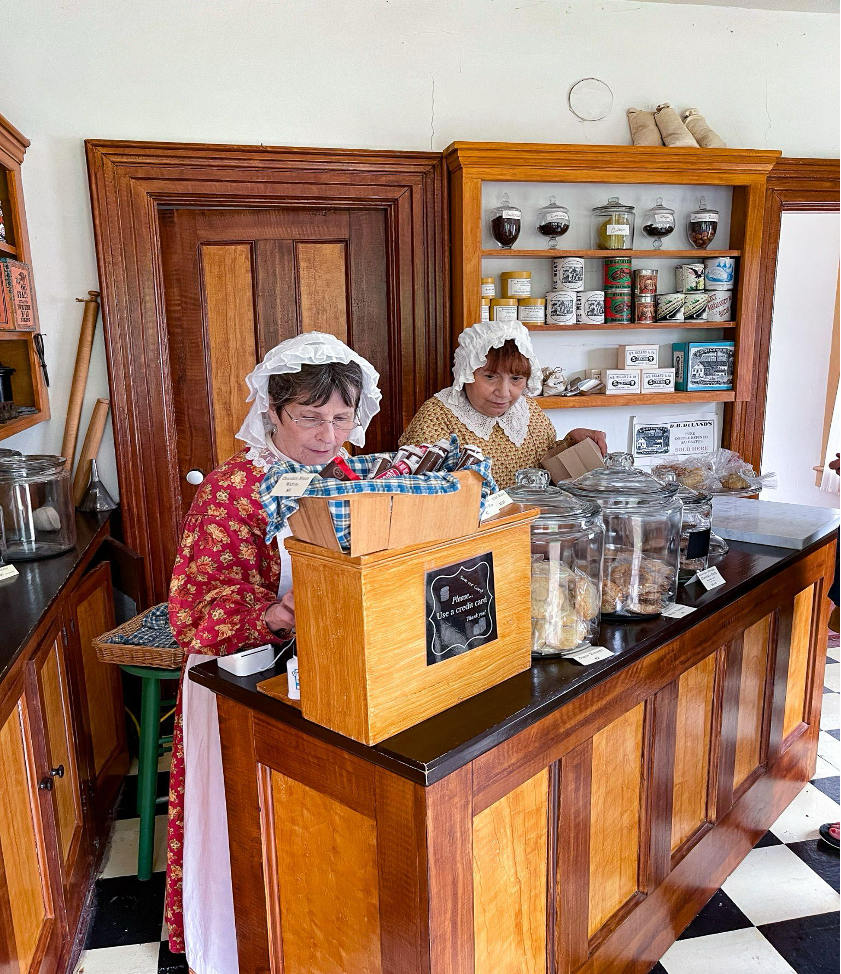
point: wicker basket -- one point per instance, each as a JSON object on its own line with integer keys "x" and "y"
{"x": 164, "y": 658}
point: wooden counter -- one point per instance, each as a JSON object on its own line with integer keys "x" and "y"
{"x": 570, "y": 819}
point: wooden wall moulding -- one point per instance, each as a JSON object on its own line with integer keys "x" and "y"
{"x": 131, "y": 182}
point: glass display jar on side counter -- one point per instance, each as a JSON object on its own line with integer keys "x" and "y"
{"x": 37, "y": 519}
{"x": 642, "y": 520}
{"x": 567, "y": 540}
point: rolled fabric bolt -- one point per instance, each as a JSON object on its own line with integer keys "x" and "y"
{"x": 46, "y": 518}
{"x": 674, "y": 132}
{"x": 337, "y": 469}
{"x": 701, "y": 131}
{"x": 643, "y": 128}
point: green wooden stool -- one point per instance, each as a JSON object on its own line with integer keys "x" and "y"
{"x": 152, "y": 745}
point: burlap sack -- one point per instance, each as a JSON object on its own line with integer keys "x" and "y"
{"x": 643, "y": 128}
{"x": 674, "y": 132}
{"x": 704, "y": 135}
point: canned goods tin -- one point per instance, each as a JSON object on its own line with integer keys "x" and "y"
{"x": 560, "y": 308}
{"x": 719, "y": 273}
{"x": 617, "y": 304}
{"x": 503, "y": 309}
{"x": 695, "y": 306}
{"x": 644, "y": 308}
{"x": 589, "y": 307}
{"x": 645, "y": 280}
{"x": 568, "y": 274}
{"x": 532, "y": 310}
{"x": 488, "y": 287}
{"x": 689, "y": 277}
{"x": 670, "y": 307}
{"x": 617, "y": 272}
{"x": 515, "y": 284}
{"x": 719, "y": 306}
{"x": 486, "y": 309}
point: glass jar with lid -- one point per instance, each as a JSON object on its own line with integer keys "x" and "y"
{"x": 695, "y": 532}
{"x": 642, "y": 536}
{"x": 613, "y": 226}
{"x": 552, "y": 222}
{"x": 506, "y": 220}
{"x": 37, "y": 519}
{"x": 702, "y": 225}
{"x": 658, "y": 221}
{"x": 567, "y": 541}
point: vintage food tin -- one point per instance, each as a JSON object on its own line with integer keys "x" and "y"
{"x": 568, "y": 274}
{"x": 644, "y": 305}
{"x": 503, "y": 309}
{"x": 589, "y": 307}
{"x": 719, "y": 306}
{"x": 488, "y": 287}
{"x": 618, "y": 304}
{"x": 689, "y": 277}
{"x": 532, "y": 311}
{"x": 670, "y": 307}
{"x": 719, "y": 273}
{"x": 560, "y": 308}
{"x": 645, "y": 280}
{"x": 486, "y": 309}
{"x": 515, "y": 284}
{"x": 702, "y": 366}
{"x": 617, "y": 272}
{"x": 695, "y": 305}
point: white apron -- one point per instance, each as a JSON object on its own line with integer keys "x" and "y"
{"x": 209, "y": 933}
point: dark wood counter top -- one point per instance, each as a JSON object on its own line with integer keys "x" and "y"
{"x": 443, "y": 743}
{"x": 25, "y": 599}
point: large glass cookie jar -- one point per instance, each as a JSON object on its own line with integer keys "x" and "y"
{"x": 37, "y": 519}
{"x": 642, "y": 520}
{"x": 567, "y": 540}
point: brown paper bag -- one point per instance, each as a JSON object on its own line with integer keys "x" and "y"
{"x": 573, "y": 462}
{"x": 674, "y": 132}
{"x": 643, "y": 128}
{"x": 703, "y": 134}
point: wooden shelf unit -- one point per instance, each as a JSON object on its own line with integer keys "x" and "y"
{"x": 745, "y": 170}
{"x": 635, "y": 399}
{"x": 17, "y": 348}
{"x": 628, "y": 325}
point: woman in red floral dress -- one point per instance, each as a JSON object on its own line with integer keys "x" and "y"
{"x": 231, "y": 590}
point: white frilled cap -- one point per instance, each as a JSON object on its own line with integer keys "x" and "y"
{"x": 475, "y": 342}
{"x": 312, "y": 348}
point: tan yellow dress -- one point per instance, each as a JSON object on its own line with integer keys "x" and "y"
{"x": 435, "y": 420}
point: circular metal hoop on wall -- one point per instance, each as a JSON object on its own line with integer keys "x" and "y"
{"x": 590, "y": 99}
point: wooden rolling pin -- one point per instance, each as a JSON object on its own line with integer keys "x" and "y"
{"x": 90, "y": 448}
{"x": 80, "y": 377}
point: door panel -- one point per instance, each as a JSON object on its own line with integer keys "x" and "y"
{"x": 798, "y": 660}
{"x": 322, "y": 284}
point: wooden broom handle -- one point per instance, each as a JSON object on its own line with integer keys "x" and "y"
{"x": 90, "y": 448}
{"x": 80, "y": 377}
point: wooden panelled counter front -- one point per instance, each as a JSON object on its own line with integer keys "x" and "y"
{"x": 570, "y": 819}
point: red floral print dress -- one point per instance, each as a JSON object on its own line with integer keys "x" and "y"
{"x": 225, "y": 577}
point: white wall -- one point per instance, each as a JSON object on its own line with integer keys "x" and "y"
{"x": 801, "y": 337}
{"x": 374, "y": 74}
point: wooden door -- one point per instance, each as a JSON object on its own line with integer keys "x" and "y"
{"x": 239, "y": 281}
{"x": 30, "y": 931}
{"x": 91, "y": 613}
{"x": 49, "y": 673}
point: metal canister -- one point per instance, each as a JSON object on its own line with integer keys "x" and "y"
{"x": 645, "y": 280}
{"x": 719, "y": 273}
{"x": 644, "y": 308}
{"x": 695, "y": 305}
{"x": 670, "y": 307}
{"x": 689, "y": 277}
{"x": 618, "y": 304}
{"x": 503, "y": 309}
{"x": 532, "y": 310}
{"x": 486, "y": 309}
{"x": 720, "y": 306}
{"x": 515, "y": 284}
{"x": 617, "y": 272}
{"x": 560, "y": 308}
{"x": 488, "y": 287}
{"x": 589, "y": 307}
{"x": 568, "y": 274}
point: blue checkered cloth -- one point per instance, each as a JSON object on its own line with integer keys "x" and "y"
{"x": 444, "y": 481}
{"x": 154, "y": 630}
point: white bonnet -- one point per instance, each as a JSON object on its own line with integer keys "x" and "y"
{"x": 475, "y": 342}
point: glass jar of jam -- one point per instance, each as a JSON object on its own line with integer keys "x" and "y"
{"x": 613, "y": 226}
{"x": 552, "y": 222}
{"x": 506, "y": 221}
{"x": 702, "y": 225}
{"x": 658, "y": 221}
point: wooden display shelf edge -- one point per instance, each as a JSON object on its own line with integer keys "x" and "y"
{"x": 630, "y": 325}
{"x": 7, "y": 248}
{"x": 639, "y": 399}
{"x": 699, "y": 255}
{"x": 14, "y": 426}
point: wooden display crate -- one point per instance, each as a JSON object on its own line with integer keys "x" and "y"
{"x": 376, "y": 653}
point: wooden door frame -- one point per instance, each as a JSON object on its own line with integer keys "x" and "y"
{"x": 129, "y": 181}
{"x": 798, "y": 186}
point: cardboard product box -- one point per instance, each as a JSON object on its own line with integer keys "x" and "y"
{"x": 621, "y": 382}
{"x": 703, "y": 366}
{"x": 658, "y": 380}
{"x": 567, "y": 464}
{"x": 638, "y": 357}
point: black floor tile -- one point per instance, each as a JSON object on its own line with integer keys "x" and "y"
{"x": 718, "y": 916}
{"x": 127, "y": 807}
{"x": 768, "y": 839}
{"x": 835, "y": 732}
{"x": 827, "y": 690}
{"x": 809, "y": 944}
{"x": 821, "y": 858}
{"x": 127, "y": 911}
{"x": 829, "y": 786}
{"x": 657, "y": 969}
{"x": 169, "y": 963}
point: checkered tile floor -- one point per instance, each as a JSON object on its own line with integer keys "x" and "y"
{"x": 776, "y": 914}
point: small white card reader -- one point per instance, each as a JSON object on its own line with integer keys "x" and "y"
{"x": 249, "y": 661}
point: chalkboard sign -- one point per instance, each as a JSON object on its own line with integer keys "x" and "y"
{"x": 460, "y": 608}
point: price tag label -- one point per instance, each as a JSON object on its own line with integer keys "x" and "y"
{"x": 495, "y": 503}
{"x": 7, "y": 572}
{"x": 591, "y": 655}
{"x": 710, "y": 578}
{"x": 675, "y": 611}
{"x": 292, "y": 484}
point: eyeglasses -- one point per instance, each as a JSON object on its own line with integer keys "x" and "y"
{"x": 311, "y": 423}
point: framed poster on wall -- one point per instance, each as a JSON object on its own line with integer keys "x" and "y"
{"x": 673, "y": 437}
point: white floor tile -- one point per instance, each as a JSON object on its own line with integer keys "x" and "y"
{"x": 823, "y": 769}
{"x": 805, "y": 815}
{"x": 834, "y": 652}
{"x": 831, "y": 713}
{"x": 121, "y": 855}
{"x": 774, "y": 884}
{"x": 829, "y": 749}
{"x": 734, "y": 952}
{"x": 832, "y": 677}
{"x": 131, "y": 959}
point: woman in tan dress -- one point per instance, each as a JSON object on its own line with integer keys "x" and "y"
{"x": 495, "y": 372}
